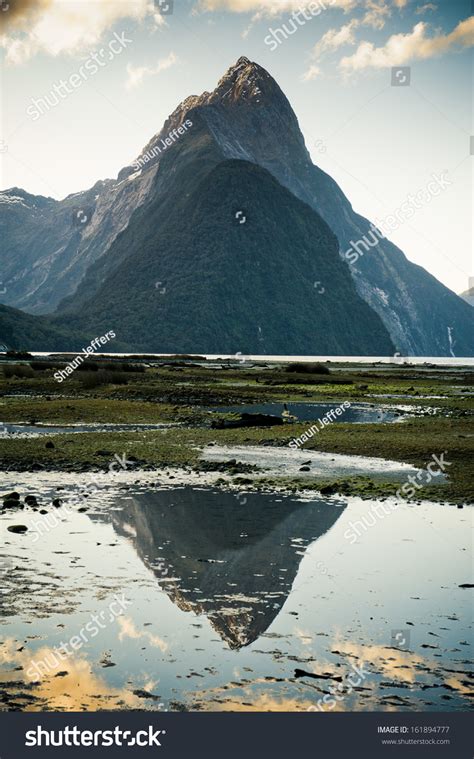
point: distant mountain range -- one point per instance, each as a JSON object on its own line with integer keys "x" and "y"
{"x": 222, "y": 236}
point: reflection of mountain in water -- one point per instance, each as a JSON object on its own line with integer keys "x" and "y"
{"x": 213, "y": 555}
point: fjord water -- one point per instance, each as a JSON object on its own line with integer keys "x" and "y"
{"x": 233, "y": 599}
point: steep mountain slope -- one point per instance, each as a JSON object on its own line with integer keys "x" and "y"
{"x": 47, "y": 245}
{"x": 172, "y": 177}
{"x": 42, "y": 247}
{"x": 216, "y": 277}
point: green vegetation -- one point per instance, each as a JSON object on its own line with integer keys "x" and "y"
{"x": 173, "y": 393}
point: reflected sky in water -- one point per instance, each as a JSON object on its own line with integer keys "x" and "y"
{"x": 234, "y": 601}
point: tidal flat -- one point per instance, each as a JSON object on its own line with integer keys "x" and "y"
{"x": 251, "y": 576}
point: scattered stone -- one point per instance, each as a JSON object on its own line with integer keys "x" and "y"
{"x": 11, "y": 496}
{"x": 50, "y": 444}
{"x": 30, "y": 500}
{"x": 12, "y": 503}
{"x": 303, "y": 673}
{"x": 247, "y": 420}
{"x": 57, "y": 503}
{"x": 17, "y": 528}
{"x": 304, "y": 469}
{"x": 328, "y": 489}
{"x": 145, "y": 694}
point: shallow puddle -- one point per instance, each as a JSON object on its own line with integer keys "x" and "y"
{"x": 358, "y": 413}
{"x": 244, "y": 601}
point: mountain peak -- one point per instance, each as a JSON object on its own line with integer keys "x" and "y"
{"x": 244, "y": 81}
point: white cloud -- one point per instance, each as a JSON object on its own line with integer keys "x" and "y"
{"x": 56, "y": 27}
{"x": 377, "y": 13}
{"x": 426, "y": 7}
{"x": 312, "y": 73}
{"x": 128, "y": 630}
{"x": 400, "y": 49}
{"x": 136, "y": 74}
{"x": 330, "y": 41}
{"x": 335, "y": 38}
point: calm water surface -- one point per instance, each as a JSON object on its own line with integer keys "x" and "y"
{"x": 362, "y": 413}
{"x": 233, "y": 601}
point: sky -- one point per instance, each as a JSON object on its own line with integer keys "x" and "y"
{"x": 382, "y": 131}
